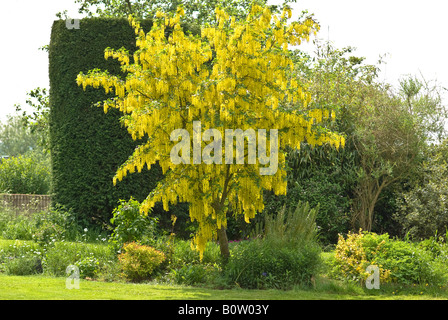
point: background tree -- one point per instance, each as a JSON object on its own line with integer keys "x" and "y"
{"x": 37, "y": 121}
{"x": 423, "y": 100}
{"x": 387, "y": 133}
{"x": 238, "y": 76}
{"x": 324, "y": 176}
{"x": 15, "y": 139}
{"x": 25, "y": 174}
{"x": 423, "y": 210}
{"x": 389, "y": 149}
{"x": 196, "y": 12}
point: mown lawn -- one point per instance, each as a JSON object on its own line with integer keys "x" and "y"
{"x": 54, "y": 288}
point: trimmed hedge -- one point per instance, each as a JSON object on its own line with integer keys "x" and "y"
{"x": 87, "y": 145}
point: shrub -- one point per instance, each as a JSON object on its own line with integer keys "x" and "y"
{"x": 55, "y": 224}
{"x": 138, "y": 262}
{"x": 43, "y": 227}
{"x": 130, "y": 224}
{"x": 424, "y": 208}
{"x": 190, "y": 274}
{"x": 62, "y": 254}
{"x": 20, "y": 257}
{"x": 399, "y": 261}
{"x": 255, "y": 264}
{"x": 23, "y": 266}
{"x": 17, "y": 227}
{"x": 88, "y": 267}
{"x": 48, "y": 232}
{"x": 17, "y": 248}
{"x": 27, "y": 174}
{"x": 291, "y": 228}
{"x": 186, "y": 267}
{"x": 184, "y": 254}
{"x": 351, "y": 257}
{"x": 286, "y": 255}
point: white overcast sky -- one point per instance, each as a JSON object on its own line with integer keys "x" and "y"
{"x": 411, "y": 33}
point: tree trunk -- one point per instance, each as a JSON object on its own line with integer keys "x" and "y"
{"x": 367, "y": 193}
{"x": 223, "y": 244}
{"x": 218, "y": 205}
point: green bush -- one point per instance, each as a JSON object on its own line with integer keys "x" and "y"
{"x": 190, "y": 274}
{"x": 286, "y": 255}
{"x": 138, "y": 262}
{"x": 48, "y": 231}
{"x": 17, "y": 248}
{"x": 62, "y": 254}
{"x": 254, "y": 264}
{"x": 28, "y": 257}
{"x": 186, "y": 267}
{"x": 424, "y": 208}
{"x": 400, "y": 261}
{"x": 88, "y": 267}
{"x": 23, "y": 266}
{"x": 184, "y": 254}
{"x": 20, "y": 257}
{"x": 25, "y": 174}
{"x": 16, "y": 227}
{"x": 320, "y": 192}
{"x": 197, "y": 274}
{"x": 56, "y": 224}
{"x": 130, "y": 224}
{"x": 323, "y": 177}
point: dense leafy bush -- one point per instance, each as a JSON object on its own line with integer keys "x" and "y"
{"x": 16, "y": 227}
{"x": 286, "y": 255}
{"x": 28, "y": 257}
{"x": 43, "y": 227}
{"x": 88, "y": 267}
{"x": 196, "y": 274}
{"x": 20, "y": 257}
{"x": 255, "y": 264}
{"x": 23, "y": 266}
{"x": 56, "y": 224}
{"x": 353, "y": 256}
{"x": 16, "y": 248}
{"x": 424, "y": 208}
{"x": 185, "y": 266}
{"x": 25, "y": 174}
{"x": 138, "y": 262}
{"x": 52, "y": 225}
{"x": 130, "y": 224}
{"x": 399, "y": 261}
{"x": 184, "y": 254}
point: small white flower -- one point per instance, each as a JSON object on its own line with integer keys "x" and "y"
{"x": 85, "y": 229}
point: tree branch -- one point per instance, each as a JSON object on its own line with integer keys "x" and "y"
{"x": 128, "y": 2}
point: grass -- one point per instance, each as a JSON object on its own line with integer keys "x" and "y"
{"x": 54, "y": 288}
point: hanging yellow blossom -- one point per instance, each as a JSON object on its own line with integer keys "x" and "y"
{"x": 235, "y": 76}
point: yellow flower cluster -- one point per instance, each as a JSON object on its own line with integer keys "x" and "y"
{"x": 236, "y": 75}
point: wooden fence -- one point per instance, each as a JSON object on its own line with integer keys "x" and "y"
{"x": 24, "y": 203}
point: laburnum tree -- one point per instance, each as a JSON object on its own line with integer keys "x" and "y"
{"x": 238, "y": 74}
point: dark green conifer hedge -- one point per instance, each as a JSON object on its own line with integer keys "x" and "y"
{"x": 87, "y": 145}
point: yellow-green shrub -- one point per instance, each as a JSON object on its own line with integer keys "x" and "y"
{"x": 138, "y": 261}
{"x": 399, "y": 261}
{"x": 352, "y": 258}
